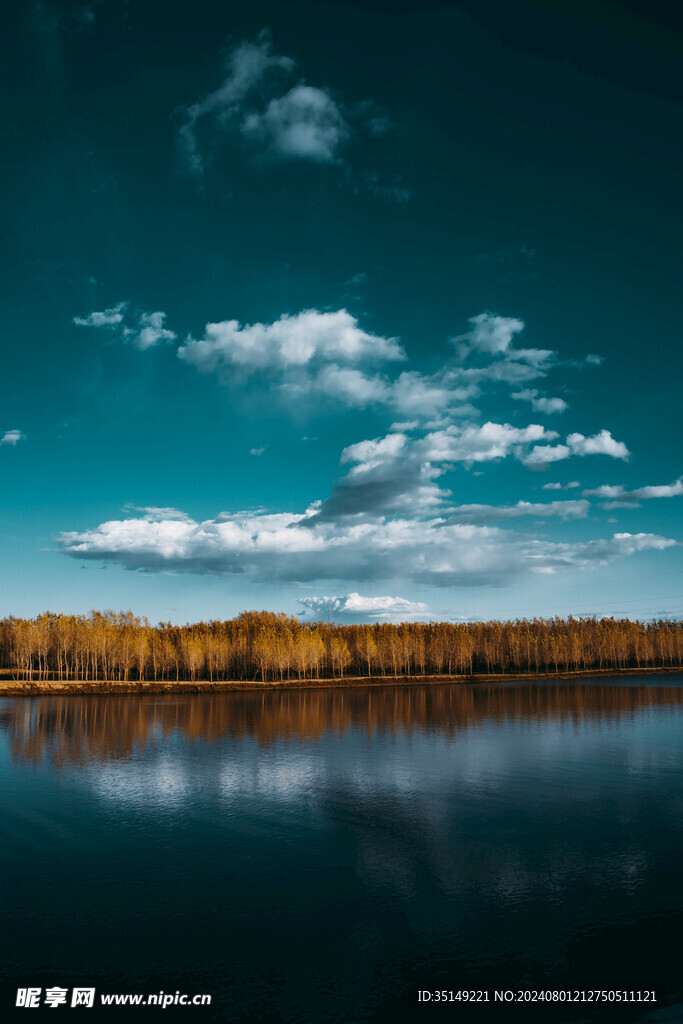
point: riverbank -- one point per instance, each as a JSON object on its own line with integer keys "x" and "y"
{"x": 36, "y": 688}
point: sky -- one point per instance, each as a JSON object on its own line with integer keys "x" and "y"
{"x": 356, "y": 312}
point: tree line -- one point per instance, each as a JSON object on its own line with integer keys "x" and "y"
{"x": 270, "y": 647}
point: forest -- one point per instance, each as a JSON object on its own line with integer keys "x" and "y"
{"x": 269, "y": 647}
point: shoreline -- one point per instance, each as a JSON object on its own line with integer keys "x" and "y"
{"x": 52, "y": 687}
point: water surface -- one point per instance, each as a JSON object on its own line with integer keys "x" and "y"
{"x": 319, "y": 856}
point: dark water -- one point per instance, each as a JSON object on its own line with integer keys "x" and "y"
{"x": 320, "y": 856}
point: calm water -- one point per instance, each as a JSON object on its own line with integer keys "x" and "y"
{"x": 321, "y": 856}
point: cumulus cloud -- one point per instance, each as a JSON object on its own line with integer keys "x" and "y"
{"x": 395, "y": 474}
{"x": 289, "y": 122}
{"x": 355, "y": 606}
{"x": 246, "y": 64}
{"x": 305, "y": 123}
{"x": 601, "y": 443}
{"x": 540, "y": 403}
{"x": 543, "y": 455}
{"x": 105, "y": 318}
{"x": 621, "y": 497}
{"x": 149, "y": 331}
{"x": 327, "y": 354}
{"x": 307, "y": 338}
{"x": 410, "y": 394}
{"x": 387, "y": 477}
{"x": 490, "y": 333}
{"x": 345, "y": 384}
{"x": 518, "y": 367}
{"x": 413, "y": 393}
{"x": 146, "y": 331}
{"x": 398, "y": 474}
{"x": 487, "y": 352}
{"x": 480, "y": 443}
{"x": 284, "y": 547}
{"x": 368, "y": 454}
{"x": 156, "y": 513}
{"x": 577, "y": 509}
{"x": 12, "y": 437}
{"x": 561, "y": 487}
{"x": 589, "y": 360}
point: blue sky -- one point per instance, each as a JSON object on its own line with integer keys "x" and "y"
{"x": 341, "y": 312}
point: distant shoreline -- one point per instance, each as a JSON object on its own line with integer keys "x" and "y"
{"x": 53, "y": 687}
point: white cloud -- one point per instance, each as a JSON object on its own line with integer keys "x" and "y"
{"x": 600, "y": 444}
{"x": 657, "y": 491}
{"x": 319, "y": 353}
{"x": 149, "y": 331}
{"x": 412, "y": 393}
{"x": 534, "y": 356}
{"x": 289, "y": 342}
{"x": 480, "y": 443}
{"x": 589, "y": 360}
{"x": 576, "y": 509}
{"x": 490, "y": 333}
{"x": 539, "y": 403}
{"x": 354, "y": 387}
{"x": 295, "y": 122}
{"x": 396, "y": 475}
{"x": 489, "y": 349}
{"x": 154, "y": 513}
{"x": 12, "y": 438}
{"x": 368, "y": 454}
{"x": 577, "y": 444}
{"x": 561, "y": 487}
{"x": 257, "y": 451}
{"x": 621, "y": 497}
{"x": 295, "y": 546}
{"x": 542, "y": 455}
{"x": 106, "y": 318}
{"x": 355, "y": 606}
{"x": 606, "y": 491}
{"x": 516, "y": 367}
{"x": 387, "y": 478}
{"x": 305, "y": 123}
{"x": 247, "y": 64}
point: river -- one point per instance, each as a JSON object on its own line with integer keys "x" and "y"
{"x": 325, "y": 855}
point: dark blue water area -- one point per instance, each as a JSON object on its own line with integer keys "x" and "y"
{"x": 324, "y": 855}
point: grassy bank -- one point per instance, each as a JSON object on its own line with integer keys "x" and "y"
{"x": 18, "y": 687}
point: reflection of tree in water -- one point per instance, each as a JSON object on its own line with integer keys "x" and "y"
{"x": 76, "y": 730}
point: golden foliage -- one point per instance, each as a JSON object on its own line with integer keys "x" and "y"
{"x": 274, "y": 647}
